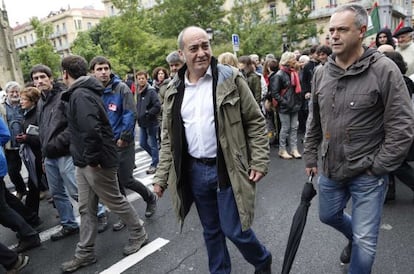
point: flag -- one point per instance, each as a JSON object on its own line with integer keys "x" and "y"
{"x": 400, "y": 25}
{"x": 373, "y": 21}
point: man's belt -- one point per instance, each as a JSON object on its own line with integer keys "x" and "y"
{"x": 205, "y": 161}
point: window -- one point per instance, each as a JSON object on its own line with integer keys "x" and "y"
{"x": 89, "y": 25}
{"x": 313, "y": 5}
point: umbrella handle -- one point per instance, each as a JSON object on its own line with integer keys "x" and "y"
{"x": 311, "y": 177}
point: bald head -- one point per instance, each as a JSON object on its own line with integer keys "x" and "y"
{"x": 183, "y": 33}
{"x": 385, "y": 48}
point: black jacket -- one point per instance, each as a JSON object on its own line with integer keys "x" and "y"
{"x": 91, "y": 138}
{"x": 290, "y": 102}
{"x": 30, "y": 118}
{"x": 53, "y": 123}
{"x": 148, "y": 107}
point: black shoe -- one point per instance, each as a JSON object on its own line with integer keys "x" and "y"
{"x": 28, "y": 244}
{"x": 63, "y": 233}
{"x": 118, "y": 226}
{"x": 267, "y": 267}
{"x": 151, "y": 207}
{"x": 345, "y": 257}
{"x": 36, "y": 224}
{"x": 102, "y": 223}
{"x": 22, "y": 261}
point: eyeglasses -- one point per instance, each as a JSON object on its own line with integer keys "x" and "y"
{"x": 14, "y": 91}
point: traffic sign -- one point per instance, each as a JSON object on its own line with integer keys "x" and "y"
{"x": 235, "y": 41}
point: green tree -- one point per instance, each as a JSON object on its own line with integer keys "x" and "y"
{"x": 169, "y": 17}
{"x": 84, "y": 46}
{"x": 258, "y": 34}
{"x": 43, "y": 52}
{"x": 298, "y": 27}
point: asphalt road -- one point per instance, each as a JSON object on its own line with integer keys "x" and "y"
{"x": 278, "y": 195}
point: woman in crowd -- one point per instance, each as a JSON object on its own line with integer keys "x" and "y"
{"x": 286, "y": 89}
{"x": 160, "y": 78}
{"x": 253, "y": 79}
{"x": 228, "y": 58}
{"x": 30, "y": 149}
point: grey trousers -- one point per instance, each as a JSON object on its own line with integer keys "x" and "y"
{"x": 289, "y": 130}
{"x": 96, "y": 183}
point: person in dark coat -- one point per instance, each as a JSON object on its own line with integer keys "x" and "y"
{"x": 383, "y": 37}
{"x": 30, "y": 146}
{"x": 148, "y": 109}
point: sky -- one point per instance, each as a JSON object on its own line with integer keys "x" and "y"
{"x": 22, "y": 10}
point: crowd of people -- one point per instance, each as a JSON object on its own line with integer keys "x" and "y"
{"x": 208, "y": 125}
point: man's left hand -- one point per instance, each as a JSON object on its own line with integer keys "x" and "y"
{"x": 255, "y": 176}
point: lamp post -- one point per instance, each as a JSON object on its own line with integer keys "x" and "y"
{"x": 285, "y": 45}
{"x": 210, "y": 34}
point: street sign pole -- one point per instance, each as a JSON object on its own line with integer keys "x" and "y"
{"x": 236, "y": 43}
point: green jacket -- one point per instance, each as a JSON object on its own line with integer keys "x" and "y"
{"x": 241, "y": 138}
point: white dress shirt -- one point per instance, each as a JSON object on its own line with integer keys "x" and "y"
{"x": 197, "y": 111}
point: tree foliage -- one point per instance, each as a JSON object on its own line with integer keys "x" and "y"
{"x": 42, "y": 52}
{"x": 141, "y": 37}
{"x": 169, "y": 17}
{"x": 84, "y": 46}
{"x": 298, "y": 27}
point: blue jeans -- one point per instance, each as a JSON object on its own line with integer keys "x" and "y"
{"x": 148, "y": 141}
{"x": 362, "y": 226}
{"x": 220, "y": 219}
{"x": 60, "y": 173}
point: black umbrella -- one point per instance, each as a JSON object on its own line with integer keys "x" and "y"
{"x": 298, "y": 225}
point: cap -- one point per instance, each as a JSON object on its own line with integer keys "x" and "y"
{"x": 403, "y": 30}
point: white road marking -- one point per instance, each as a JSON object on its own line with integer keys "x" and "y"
{"x": 133, "y": 259}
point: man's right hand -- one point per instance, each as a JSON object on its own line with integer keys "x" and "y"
{"x": 158, "y": 190}
{"x": 314, "y": 170}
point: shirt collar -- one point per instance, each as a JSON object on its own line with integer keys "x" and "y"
{"x": 207, "y": 75}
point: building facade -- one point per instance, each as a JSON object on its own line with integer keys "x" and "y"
{"x": 66, "y": 24}
{"x": 9, "y": 61}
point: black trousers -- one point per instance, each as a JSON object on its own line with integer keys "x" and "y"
{"x": 14, "y": 166}
{"x": 11, "y": 219}
{"x": 7, "y": 257}
{"x": 125, "y": 173}
{"x": 405, "y": 173}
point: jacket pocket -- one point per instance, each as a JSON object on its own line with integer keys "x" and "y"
{"x": 364, "y": 100}
{"x": 231, "y": 109}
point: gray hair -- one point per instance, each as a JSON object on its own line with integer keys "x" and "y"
{"x": 10, "y": 85}
{"x": 361, "y": 15}
{"x": 173, "y": 57}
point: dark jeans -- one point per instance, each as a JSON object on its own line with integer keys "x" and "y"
{"x": 220, "y": 219}
{"x": 14, "y": 166}
{"x": 125, "y": 173}
{"x": 11, "y": 219}
{"x": 7, "y": 257}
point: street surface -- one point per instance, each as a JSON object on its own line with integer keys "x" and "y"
{"x": 170, "y": 251}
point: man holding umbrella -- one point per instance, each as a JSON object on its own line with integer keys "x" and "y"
{"x": 361, "y": 117}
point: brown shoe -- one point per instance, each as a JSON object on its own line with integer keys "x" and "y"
{"x": 284, "y": 154}
{"x": 135, "y": 245}
{"x": 295, "y": 153}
